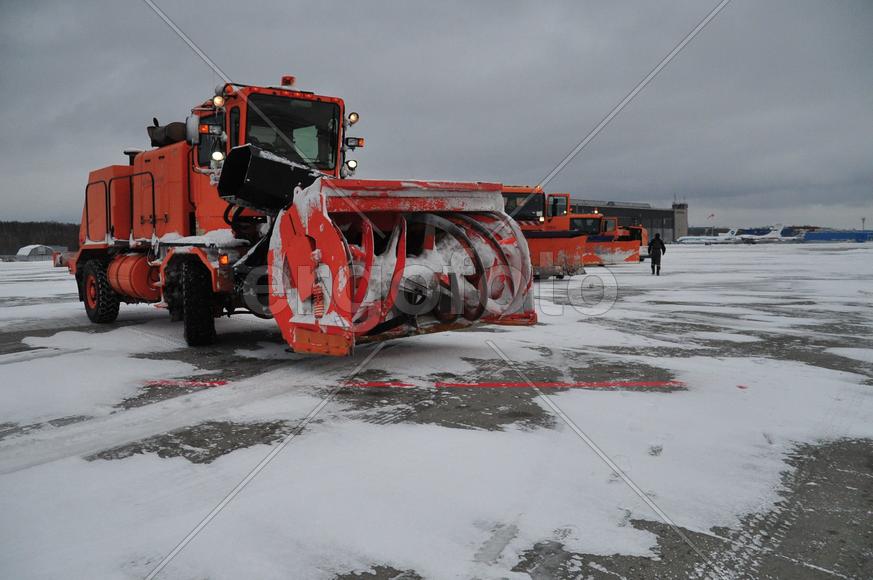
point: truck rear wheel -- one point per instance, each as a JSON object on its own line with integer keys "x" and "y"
{"x": 197, "y": 305}
{"x": 101, "y": 301}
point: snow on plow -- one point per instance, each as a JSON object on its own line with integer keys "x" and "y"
{"x": 355, "y": 260}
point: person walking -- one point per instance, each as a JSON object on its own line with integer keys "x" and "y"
{"x": 656, "y": 248}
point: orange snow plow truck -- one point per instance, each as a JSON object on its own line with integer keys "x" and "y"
{"x": 250, "y": 206}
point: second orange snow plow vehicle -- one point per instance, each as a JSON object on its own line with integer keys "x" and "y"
{"x": 561, "y": 242}
{"x": 556, "y": 248}
{"x": 250, "y": 206}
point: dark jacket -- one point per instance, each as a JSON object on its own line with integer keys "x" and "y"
{"x": 657, "y": 247}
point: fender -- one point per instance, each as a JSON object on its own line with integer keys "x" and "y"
{"x": 79, "y": 258}
{"x": 222, "y": 279}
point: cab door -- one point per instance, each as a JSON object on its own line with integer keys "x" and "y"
{"x": 204, "y": 194}
{"x": 609, "y": 226}
{"x": 558, "y": 210}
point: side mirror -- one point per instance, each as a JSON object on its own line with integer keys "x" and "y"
{"x": 192, "y": 130}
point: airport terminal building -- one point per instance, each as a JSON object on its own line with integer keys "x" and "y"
{"x": 671, "y": 223}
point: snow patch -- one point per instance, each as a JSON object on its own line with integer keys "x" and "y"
{"x": 309, "y": 200}
{"x": 726, "y": 336}
{"x": 221, "y": 238}
{"x": 859, "y": 354}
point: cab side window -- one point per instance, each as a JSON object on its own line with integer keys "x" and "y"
{"x": 234, "y": 127}
{"x": 211, "y": 128}
{"x": 557, "y": 206}
{"x": 585, "y": 225}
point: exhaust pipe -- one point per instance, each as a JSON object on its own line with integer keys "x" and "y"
{"x": 261, "y": 180}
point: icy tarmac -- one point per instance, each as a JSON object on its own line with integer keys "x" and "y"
{"x": 734, "y": 393}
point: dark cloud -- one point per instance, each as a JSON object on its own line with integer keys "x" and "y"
{"x": 766, "y": 116}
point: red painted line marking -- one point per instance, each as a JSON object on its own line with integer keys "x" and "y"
{"x": 562, "y": 385}
{"x": 179, "y": 383}
{"x": 523, "y": 385}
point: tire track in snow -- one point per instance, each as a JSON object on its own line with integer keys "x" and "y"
{"x": 37, "y": 353}
{"x": 123, "y": 427}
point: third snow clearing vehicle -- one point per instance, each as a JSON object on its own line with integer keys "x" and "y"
{"x": 250, "y": 206}
{"x": 606, "y": 242}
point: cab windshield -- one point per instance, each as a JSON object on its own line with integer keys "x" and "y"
{"x": 299, "y": 130}
{"x": 585, "y": 225}
{"x": 524, "y": 206}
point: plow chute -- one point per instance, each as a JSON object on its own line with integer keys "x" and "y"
{"x": 353, "y": 260}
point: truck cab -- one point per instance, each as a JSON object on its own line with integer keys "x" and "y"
{"x": 556, "y": 249}
{"x": 299, "y": 126}
{"x": 533, "y": 208}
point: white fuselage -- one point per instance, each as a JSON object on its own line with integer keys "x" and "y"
{"x": 774, "y": 236}
{"x": 726, "y": 238}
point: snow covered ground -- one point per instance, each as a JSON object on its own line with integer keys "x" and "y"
{"x": 742, "y": 387}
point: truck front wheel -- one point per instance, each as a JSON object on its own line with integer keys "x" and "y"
{"x": 197, "y": 305}
{"x": 101, "y": 301}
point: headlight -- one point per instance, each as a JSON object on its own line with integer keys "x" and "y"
{"x": 218, "y": 155}
{"x": 218, "y": 101}
{"x": 353, "y": 118}
{"x": 542, "y": 219}
{"x": 352, "y": 164}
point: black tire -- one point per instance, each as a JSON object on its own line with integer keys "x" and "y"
{"x": 101, "y": 301}
{"x": 198, "y": 312}
{"x": 559, "y": 276}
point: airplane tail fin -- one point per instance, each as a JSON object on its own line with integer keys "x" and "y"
{"x": 776, "y": 232}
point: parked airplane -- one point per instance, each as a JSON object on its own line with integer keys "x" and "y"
{"x": 771, "y": 237}
{"x": 727, "y": 238}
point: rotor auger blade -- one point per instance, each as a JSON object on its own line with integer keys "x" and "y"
{"x": 379, "y": 298}
{"x": 501, "y": 266}
{"x": 512, "y": 265}
{"x": 471, "y": 310}
{"x": 520, "y": 310}
{"x": 363, "y": 257}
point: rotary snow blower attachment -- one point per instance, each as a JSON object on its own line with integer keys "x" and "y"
{"x": 353, "y": 260}
{"x": 253, "y": 208}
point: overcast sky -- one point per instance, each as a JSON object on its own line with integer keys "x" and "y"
{"x": 767, "y": 116}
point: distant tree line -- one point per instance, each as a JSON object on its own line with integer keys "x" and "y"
{"x": 14, "y": 235}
